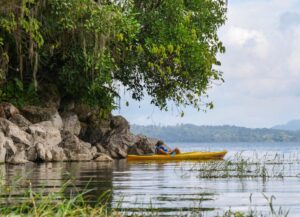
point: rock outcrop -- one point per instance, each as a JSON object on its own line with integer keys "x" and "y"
{"x": 76, "y": 134}
{"x": 8, "y": 110}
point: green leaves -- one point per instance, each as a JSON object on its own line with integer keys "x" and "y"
{"x": 179, "y": 43}
{"x": 166, "y": 49}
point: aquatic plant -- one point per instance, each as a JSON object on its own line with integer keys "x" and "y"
{"x": 253, "y": 212}
{"x": 242, "y": 167}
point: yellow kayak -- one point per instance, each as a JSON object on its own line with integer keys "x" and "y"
{"x": 182, "y": 156}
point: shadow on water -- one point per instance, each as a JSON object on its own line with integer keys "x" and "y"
{"x": 93, "y": 178}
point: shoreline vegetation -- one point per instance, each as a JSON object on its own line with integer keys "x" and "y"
{"x": 226, "y": 133}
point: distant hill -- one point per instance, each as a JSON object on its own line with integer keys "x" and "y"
{"x": 293, "y": 125}
{"x": 193, "y": 133}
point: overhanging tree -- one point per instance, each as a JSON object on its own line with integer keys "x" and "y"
{"x": 165, "y": 48}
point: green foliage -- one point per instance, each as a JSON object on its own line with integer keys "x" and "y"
{"x": 175, "y": 51}
{"x": 16, "y": 93}
{"x": 166, "y": 49}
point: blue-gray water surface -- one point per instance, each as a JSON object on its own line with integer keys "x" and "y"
{"x": 176, "y": 188}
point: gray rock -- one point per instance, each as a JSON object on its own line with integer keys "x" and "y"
{"x": 75, "y": 149}
{"x": 122, "y": 153}
{"x": 48, "y": 155}
{"x": 57, "y": 121}
{"x": 103, "y": 158}
{"x": 94, "y": 151}
{"x": 38, "y": 114}
{"x": 2, "y": 147}
{"x": 2, "y": 153}
{"x": 20, "y": 121}
{"x": 144, "y": 145}
{"x": 45, "y": 133}
{"x": 96, "y": 134}
{"x": 11, "y": 149}
{"x": 41, "y": 152}
{"x": 113, "y": 154}
{"x": 119, "y": 125}
{"x": 31, "y": 154}
{"x": 100, "y": 148}
{"x": 14, "y": 132}
{"x": 58, "y": 154}
{"x": 136, "y": 151}
{"x": 18, "y": 158}
{"x": 8, "y": 110}
{"x": 71, "y": 123}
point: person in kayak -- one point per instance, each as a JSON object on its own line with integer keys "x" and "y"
{"x": 162, "y": 148}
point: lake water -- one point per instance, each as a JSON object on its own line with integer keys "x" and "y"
{"x": 177, "y": 188}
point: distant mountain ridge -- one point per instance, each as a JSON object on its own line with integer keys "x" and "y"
{"x": 293, "y": 125}
{"x": 194, "y": 133}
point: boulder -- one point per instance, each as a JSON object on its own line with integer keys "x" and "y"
{"x": 41, "y": 152}
{"x": 75, "y": 149}
{"x": 11, "y": 149}
{"x": 113, "y": 154}
{"x": 48, "y": 156}
{"x": 71, "y": 123}
{"x": 122, "y": 152}
{"x": 136, "y": 151}
{"x": 117, "y": 145}
{"x": 94, "y": 151}
{"x": 119, "y": 125}
{"x": 46, "y": 153}
{"x": 45, "y": 133}
{"x": 2, "y": 153}
{"x": 58, "y": 154}
{"x": 2, "y": 147}
{"x": 144, "y": 145}
{"x": 20, "y": 121}
{"x": 8, "y": 110}
{"x": 103, "y": 158}
{"x": 18, "y": 158}
{"x": 38, "y": 114}
{"x": 14, "y": 132}
{"x": 100, "y": 148}
{"x": 98, "y": 131}
{"x": 57, "y": 121}
{"x": 31, "y": 154}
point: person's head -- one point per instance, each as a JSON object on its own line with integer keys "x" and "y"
{"x": 159, "y": 142}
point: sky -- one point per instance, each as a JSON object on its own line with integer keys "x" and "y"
{"x": 261, "y": 69}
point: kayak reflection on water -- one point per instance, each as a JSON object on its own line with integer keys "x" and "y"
{"x": 162, "y": 148}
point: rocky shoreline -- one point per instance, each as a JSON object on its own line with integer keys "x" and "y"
{"x": 76, "y": 133}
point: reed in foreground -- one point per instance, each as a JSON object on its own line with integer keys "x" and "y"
{"x": 31, "y": 202}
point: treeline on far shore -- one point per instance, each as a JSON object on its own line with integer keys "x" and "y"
{"x": 194, "y": 133}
